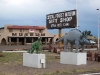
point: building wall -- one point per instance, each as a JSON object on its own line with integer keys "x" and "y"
{"x": 5, "y": 33}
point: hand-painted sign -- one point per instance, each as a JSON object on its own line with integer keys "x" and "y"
{"x": 66, "y": 19}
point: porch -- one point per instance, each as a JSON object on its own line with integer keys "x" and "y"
{"x": 28, "y": 40}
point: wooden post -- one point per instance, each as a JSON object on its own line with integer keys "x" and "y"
{"x": 32, "y": 39}
{"x": 60, "y": 43}
{"x": 17, "y": 41}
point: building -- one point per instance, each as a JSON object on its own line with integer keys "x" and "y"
{"x": 22, "y": 35}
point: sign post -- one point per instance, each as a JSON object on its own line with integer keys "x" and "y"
{"x": 60, "y": 43}
{"x": 66, "y": 19}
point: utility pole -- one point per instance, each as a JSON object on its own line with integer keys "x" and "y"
{"x": 98, "y": 29}
{"x": 77, "y": 13}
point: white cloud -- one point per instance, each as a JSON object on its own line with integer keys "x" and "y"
{"x": 34, "y": 11}
{"x": 30, "y": 8}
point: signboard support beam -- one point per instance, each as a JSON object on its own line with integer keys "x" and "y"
{"x": 60, "y": 43}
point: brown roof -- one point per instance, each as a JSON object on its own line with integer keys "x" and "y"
{"x": 25, "y": 27}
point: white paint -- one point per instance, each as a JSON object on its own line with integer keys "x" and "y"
{"x": 53, "y": 25}
{"x": 47, "y": 50}
{"x": 59, "y": 15}
{"x": 73, "y": 58}
{"x": 70, "y": 13}
{"x": 42, "y": 61}
{"x": 53, "y": 21}
{"x": 65, "y": 24}
{"x": 50, "y": 16}
{"x": 67, "y": 19}
{"x": 90, "y": 74}
{"x": 34, "y": 60}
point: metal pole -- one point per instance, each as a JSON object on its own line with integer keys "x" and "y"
{"x": 98, "y": 29}
{"x": 77, "y": 14}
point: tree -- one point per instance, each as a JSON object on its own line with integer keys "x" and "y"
{"x": 87, "y": 33}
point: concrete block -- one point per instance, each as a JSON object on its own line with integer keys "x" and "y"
{"x": 73, "y": 58}
{"x": 34, "y": 60}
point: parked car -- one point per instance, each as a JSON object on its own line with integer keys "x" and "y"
{"x": 92, "y": 42}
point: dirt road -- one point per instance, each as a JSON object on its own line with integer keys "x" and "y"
{"x": 3, "y": 47}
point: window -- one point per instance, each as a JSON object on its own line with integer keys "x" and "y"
{"x": 28, "y": 40}
{"x": 31, "y": 34}
{"x": 21, "y": 30}
{"x": 43, "y": 34}
{"x": 26, "y": 34}
{"x": 36, "y": 34}
{"x": 10, "y": 30}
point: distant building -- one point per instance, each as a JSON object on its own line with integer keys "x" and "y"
{"x": 22, "y": 35}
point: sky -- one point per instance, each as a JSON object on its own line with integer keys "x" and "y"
{"x": 33, "y": 12}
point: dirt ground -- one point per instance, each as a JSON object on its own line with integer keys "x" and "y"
{"x": 3, "y": 47}
{"x": 50, "y": 68}
{"x": 53, "y": 67}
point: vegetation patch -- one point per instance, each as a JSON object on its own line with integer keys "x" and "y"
{"x": 12, "y": 60}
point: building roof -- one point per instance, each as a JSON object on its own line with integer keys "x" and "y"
{"x": 25, "y": 27}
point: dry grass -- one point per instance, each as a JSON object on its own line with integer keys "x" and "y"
{"x": 11, "y": 58}
{"x": 11, "y": 64}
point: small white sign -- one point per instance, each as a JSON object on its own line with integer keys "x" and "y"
{"x": 42, "y": 60}
{"x": 31, "y": 30}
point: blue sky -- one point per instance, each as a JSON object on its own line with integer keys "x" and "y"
{"x": 33, "y": 12}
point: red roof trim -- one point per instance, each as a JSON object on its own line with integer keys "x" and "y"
{"x": 25, "y": 27}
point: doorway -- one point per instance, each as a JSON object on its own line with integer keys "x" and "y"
{"x": 3, "y": 41}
